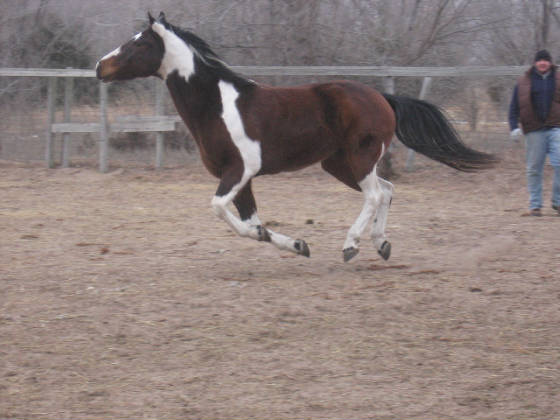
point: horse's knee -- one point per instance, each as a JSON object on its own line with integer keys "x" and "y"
{"x": 387, "y": 190}
{"x": 218, "y": 206}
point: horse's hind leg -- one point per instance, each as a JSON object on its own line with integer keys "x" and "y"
{"x": 338, "y": 166}
{"x": 372, "y": 197}
{"x": 245, "y": 203}
{"x": 380, "y": 222}
{"x": 377, "y": 197}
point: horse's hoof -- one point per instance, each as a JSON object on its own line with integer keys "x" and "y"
{"x": 349, "y": 253}
{"x": 264, "y": 235}
{"x": 302, "y": 248}
{"x": 385, "y": 250}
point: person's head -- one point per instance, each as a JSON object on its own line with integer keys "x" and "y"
{"x": 543, "y": 61}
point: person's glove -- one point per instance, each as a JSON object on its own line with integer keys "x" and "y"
{"x": 516, "y": 134}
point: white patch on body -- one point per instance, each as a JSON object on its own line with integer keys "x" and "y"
{"x": 249, "y": 149}
{"x": 178, "y": 56}
{"x": 137, "y": 36}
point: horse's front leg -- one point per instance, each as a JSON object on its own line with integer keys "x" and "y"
{"x": 250, "y": 225}
{"x": 229, "y": 191}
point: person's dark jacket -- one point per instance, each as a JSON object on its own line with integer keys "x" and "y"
{"x": 542, "y": 93}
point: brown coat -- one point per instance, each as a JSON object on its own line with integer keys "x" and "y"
{"x": 529, "y": 119}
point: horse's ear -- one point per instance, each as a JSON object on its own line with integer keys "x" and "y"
{"x": 161, "y": 17}
{"x": 151, "y": 18}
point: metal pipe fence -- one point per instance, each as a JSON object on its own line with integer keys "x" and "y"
{"x": 160, "y": 123}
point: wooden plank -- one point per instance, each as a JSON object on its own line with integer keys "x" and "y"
{"x": 75, "y": 127}
{"x": 147, "y": 118}
{"x": 138, "y": 125}
{"x": 30, "y": 72}
{"x": 120, "y": 126}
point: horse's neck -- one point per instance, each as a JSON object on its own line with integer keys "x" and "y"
{"x": 197, "y": 101}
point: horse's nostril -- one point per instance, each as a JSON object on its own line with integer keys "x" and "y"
{"x": 103, "y": 71}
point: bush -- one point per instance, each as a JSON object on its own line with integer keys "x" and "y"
{"x": 45, "y": 41}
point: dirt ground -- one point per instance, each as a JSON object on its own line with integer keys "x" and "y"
{"x": 123, "y": 296}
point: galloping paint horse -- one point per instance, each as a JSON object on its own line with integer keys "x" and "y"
{"x": 244, "y": 129}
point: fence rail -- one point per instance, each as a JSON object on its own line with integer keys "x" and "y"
{"x": 160, "y": 123}
{"x": 373, "y": 71}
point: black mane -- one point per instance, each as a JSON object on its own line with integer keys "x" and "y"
{"x": 210, "y": 60}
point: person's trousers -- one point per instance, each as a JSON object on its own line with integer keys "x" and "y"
{"x": 539, "y": 144}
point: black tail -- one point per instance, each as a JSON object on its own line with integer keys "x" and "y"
{"x": 424, "y": 128}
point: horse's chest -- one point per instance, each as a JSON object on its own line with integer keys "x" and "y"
{"x": 218, "y": 150}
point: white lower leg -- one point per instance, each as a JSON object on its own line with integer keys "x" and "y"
{"x": 380, "y": 222}
{"x": 355, "y": 232}
{"x": 372, "y": 196}
{"x": 284, "y": 242}
{"x": 242, "y": 228}
{"x": 252, "y": 228}
{"x": 280, "y": 241}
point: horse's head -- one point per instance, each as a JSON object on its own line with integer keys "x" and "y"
{"x": 139, "y": 57}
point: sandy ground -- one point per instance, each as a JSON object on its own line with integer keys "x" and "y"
{"x": 123, "y": 296}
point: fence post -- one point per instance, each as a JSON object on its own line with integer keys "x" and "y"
{"x": 103, "y": 128}
{"x": 68, "y": 94}
{"x": 389, "y": 85}
{"x": 426, "y": 84}
{"x": 51, "y": 104}
{"x": 159, "y": 134}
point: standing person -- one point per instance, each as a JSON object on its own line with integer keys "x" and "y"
{"x": 536, "y": 104}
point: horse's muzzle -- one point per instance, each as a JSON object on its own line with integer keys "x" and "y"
{"x": 103, "y": 71}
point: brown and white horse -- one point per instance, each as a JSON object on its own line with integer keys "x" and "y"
{"x": 244, "y": 129}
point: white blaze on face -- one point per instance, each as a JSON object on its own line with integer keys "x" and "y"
{"x": 249, "y": 149}
{"x": 178, "y": 56}
{"x": 116, "y": 51}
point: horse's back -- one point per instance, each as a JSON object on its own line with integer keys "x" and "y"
{"x": 339, "y": 104}
{"x": 301, "y": 125}
{"x": 360, "y": 106}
